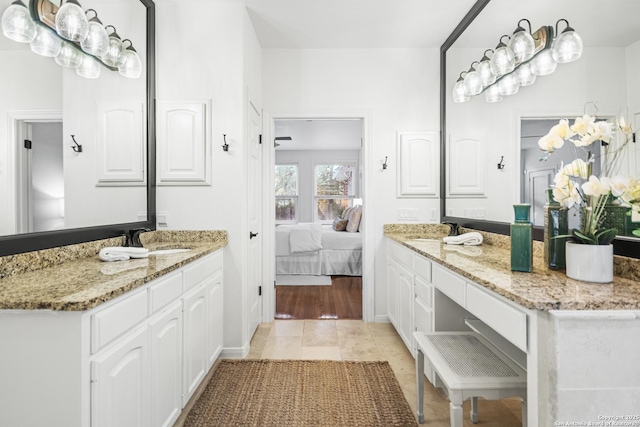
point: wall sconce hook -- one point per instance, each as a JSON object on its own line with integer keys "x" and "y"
{"x": 77, "y": 148}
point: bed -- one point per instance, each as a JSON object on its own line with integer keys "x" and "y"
{"x": 318, "y": 250}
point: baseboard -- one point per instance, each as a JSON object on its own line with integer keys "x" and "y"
{"x": 381, "y": 318}
{"x": 235, "y": 352}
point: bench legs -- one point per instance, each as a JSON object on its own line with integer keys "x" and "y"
{"x": 473, "y": 414}
{"x": 420, "y": 385}
{"x": 455, "y": 413}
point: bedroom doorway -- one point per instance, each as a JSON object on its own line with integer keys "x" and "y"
{"x": 318, "y": 211}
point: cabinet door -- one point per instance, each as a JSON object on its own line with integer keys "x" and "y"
{"x": 195, "y": 340}
{"x": 392, "y": 291}
{"x": 214, "y": 315}
{"x": 405, "y": 303}
{"x": 120, "y": 383}
{"x": 166, "y": 366}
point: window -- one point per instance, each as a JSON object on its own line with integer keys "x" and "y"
{"x": 286, "y": 193}
{"x": 334, "y": 189}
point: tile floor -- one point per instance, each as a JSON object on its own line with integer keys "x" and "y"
{"x": 356, "y": 340}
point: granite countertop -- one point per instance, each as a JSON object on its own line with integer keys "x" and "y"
{"x": 542, "y": 289}
{"x": 86, "y": 282}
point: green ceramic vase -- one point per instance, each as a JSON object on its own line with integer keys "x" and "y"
{"x": 556, "y": 223}
{"x": 522, "y": 239}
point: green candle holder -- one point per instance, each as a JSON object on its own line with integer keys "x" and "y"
{"x": 522, "y": 239}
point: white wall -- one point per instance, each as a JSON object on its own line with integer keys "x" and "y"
{"x": 306, "y": 159}
{"x": 28, "y": 82}
{"x": 217, "y": 58}
{"x": 397, "y": 88}
{"x": 633, "y": 82}
{"x": 560, "y": 94}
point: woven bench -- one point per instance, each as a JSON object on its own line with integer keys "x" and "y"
{"x": 467, "y": 366}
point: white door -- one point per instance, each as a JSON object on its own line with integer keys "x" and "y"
{"x": 392, "y": 293}
{"x": 535, "y": 192}
{"x": 120, "y": 384}
{"x": 214, "y": 316}
{"x": 255, "y": 210}
{"x": 166, "y": 366}
{"x": 405, "y": 297}
{"x": 195, "y": 341}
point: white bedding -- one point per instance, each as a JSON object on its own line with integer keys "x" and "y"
{"x": 340, "y": 253}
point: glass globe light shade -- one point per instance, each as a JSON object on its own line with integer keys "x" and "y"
{"x": 484, "y": 70}
{"x": 71, "y": 22}
{"x": 97, "y": 41}
{"x": 130, "y": 65}
{"x": 69, "y": 56}
{"x": 508, "y": 85}
{"x": 502, "y": 61}
{"x": 492, "y": 94}
{"x": 567, "y": 47}
{"x": 521, "y": 43}
{"x": 459, "y": 93}
{"x": 46, "y": 43}
{"x": 17, "y": 24}
{"x": 113, "y": 51}
{"x": 89, "y": 68}
{"x": 543, "y": 64}
{"x": 525, "y": 76}
{"x": 472, "y": 82}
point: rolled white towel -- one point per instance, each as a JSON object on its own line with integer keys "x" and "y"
{"x": 121, "y": 253}
{"x": 468, "y": 239}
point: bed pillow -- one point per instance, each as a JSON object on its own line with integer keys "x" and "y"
{"x": 354, "y": 219}
{"x": 340, "y": 224}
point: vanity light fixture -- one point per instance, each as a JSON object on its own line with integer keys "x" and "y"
{"x": 68, "y": 35}
{"x": 518, "y": 62}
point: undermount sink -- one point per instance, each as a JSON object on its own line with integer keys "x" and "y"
{"x": 167, "y": 251}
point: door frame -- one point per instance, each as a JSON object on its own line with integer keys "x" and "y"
{"x": 269, "y": 118}
{"x": 16, "y": 161}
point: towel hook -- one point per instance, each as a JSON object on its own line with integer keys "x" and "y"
{"x": 77, "y": 148}
{"x": 225, "y": 147}
{"x": 384, "y": 165}
{"x": 501, "y": 164}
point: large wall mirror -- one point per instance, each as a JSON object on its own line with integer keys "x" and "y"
{"x": 53, "y": 192}
{"x": 478, "y": 136}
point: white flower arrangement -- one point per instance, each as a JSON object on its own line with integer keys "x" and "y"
{"x": 575, "y": 184}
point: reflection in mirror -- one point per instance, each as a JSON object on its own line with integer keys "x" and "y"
{"x": 480, "y": 134}
{"x": 46, "y": 181}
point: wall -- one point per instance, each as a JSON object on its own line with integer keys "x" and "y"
{"x": 218, "y": 58}
{"x": 23, "y": 88}
{"x": 633, "y": 82}
{"x": 306, "y": 159}
{"x": 397, "y": 88}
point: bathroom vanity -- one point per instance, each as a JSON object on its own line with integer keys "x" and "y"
{"x": 89, "y": 343}
{"x": 579, "y": 342}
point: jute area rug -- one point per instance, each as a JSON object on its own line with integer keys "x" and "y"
{"x": 301, "y": 393}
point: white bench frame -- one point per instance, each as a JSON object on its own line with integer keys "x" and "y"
{"x": 458, "y": 388}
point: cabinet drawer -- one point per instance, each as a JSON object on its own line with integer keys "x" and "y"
{"x": 168, "y": 289}
{"x": 403, "y": 255}
{"x": 422, "y": 268}
{"x": 498, "y": 315}
{"x": 424, "y": 291}
{"x": 450, "y": 285}
{"x": 202, "y": 269}
{"x": 116, "y": 319}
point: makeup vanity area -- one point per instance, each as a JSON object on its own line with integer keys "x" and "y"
{"x": 577, "y": 341}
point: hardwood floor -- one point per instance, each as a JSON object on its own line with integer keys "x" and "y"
{"x": 341, "y": 300}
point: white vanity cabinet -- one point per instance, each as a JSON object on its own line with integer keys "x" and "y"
{"x": 132, "y": 361}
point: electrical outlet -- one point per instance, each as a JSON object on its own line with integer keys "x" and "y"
{"x": 162, "y": 219}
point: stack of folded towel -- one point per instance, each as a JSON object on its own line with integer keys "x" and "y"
{"x": 467, "y": 239}
{"x": 122, "y": 253}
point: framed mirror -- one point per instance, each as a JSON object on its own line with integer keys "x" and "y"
{"x": 479, "y": 189}
{"x": 77, "y": 151}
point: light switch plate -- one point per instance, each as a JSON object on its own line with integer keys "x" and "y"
{"x": 162, "y": 219}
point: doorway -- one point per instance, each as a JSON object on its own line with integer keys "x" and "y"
{"x": 318, "y": 165}
{"x": 39, "y": 176}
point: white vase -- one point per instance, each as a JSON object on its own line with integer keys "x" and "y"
{"x": 590, "y": 263}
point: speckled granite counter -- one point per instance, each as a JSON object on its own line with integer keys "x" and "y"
{"x": 72, "y": 278}
{"x": 542, "y": 289}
